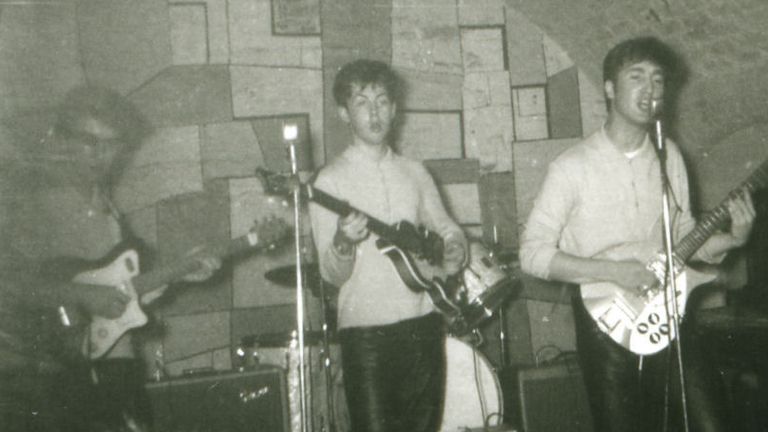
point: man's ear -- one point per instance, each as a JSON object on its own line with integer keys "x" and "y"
{"x": 343, "y": 113}
{"x": 610, "y": 91}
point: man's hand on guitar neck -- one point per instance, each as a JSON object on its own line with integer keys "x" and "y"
{"x": 743, "y": 214}
{"x": 350, "y": 230}
{"x": 208, "y": 264}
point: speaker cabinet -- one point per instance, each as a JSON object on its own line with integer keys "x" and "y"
{"x": 553, "y": 399}
{"x": 250, "y": 401}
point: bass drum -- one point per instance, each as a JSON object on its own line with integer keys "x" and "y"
{"x": 472, "y": 391}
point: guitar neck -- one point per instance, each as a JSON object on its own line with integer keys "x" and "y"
{"x": 343, "y": 208}
{"x": 150, "y": 281}
{"x": 717, "y": 217}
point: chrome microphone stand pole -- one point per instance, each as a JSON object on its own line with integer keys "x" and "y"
{"x": 290, "y": 133}
{"x": 670, "y": 269}
{"x": 502, "y": 317}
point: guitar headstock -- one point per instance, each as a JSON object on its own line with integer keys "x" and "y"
{"x": 277, "y": 183}
{"x": 271, "y": 232}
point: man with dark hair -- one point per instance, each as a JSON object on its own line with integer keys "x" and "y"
{"x": 59, "y": 206}
{"x": 597, "y": 222}
{"x": 391, "y": 338}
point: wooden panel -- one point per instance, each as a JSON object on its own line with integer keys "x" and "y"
{"x": 431, "y": 135}
{"x": 39, "y": 56}
{"x": 482, "y": 49}
{"x": 481, "y": 12}
{"x": 230, "y": 150}
{"x": 123, "y": 44}
{"x": 524, "y": 50}
{"x": 564, "y": 105}
{"x": 448, "y": 171}
{"x": 252, "y": 41}
{"x": 530, "y": 113}
{"x": 186, "y": 95}
{"x": 217, "y": 27}
{"x": 189, "y": 34}
{"x": 555, "y": 57}
{"x": 189, "y": 335}
{"x": 425, "y": 36}
{"x": 269, "y": 92}
{"x": 462, "y": 202}
{"x": 488, "y": 120}
{"x": 296, "y": 17}
{"x": 431, "y": 91}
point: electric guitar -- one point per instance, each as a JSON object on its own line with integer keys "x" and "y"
{"x": 641, "y": 322}
{"x": 412, "y": 250}
{"x": 120, "y": 268}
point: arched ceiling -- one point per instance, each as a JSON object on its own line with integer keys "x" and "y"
{"x": 724, "y": 42}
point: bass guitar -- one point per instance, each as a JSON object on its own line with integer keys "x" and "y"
{"x": 641, "y": 322}
{"x": 413, "y": 250}
{"x": 120, "y": 268}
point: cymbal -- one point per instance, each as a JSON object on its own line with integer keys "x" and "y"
{"x": 286, "y": 276}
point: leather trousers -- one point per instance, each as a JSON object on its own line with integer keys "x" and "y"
{"x": 394, "y": 375}
{"x": 629, "y": 394}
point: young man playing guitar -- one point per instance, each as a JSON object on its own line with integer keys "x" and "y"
{"x": 391, "y": 339}
{"x": 597, "y": 220}
{"x": 61, "y": 207}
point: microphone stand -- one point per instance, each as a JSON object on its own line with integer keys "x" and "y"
{"x": 326, "y": 358}
{"x": 290, "y": 132}
{"x": 669, "y": 282}
{"x": 502, "y": 318}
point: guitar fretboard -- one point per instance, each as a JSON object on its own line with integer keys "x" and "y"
{"x": 422, "y": 246}
{"x": 717, "y": 217}
{"x": 146, "y": 282}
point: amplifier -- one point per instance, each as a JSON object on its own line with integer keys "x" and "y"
{"x": 553, "y": 398}
{"x": 250, "y": 401}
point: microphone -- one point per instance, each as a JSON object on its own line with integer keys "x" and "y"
{"x": 657, "y": 126}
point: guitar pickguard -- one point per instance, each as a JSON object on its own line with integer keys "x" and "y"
{"x": 103, "y": 332}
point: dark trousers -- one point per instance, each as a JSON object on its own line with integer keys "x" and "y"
{"x": 394, "y": 375}
{"x": 624, "y": 397}
{"x": 35, "y": 401}
{"x": 69, "y": 400}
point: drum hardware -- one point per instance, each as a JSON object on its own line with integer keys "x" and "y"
{"x": 486, "y": 285}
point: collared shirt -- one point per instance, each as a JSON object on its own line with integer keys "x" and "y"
{"x": 390, "y": 189}
{"x": 598, "y": 203}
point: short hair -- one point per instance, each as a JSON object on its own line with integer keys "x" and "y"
{"x": 365, "y": 72}
{"x": 105, "y": 105}
{"x": 640, "y": 49}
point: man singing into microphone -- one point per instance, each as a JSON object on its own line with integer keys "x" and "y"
{"x": 597, "y": 218}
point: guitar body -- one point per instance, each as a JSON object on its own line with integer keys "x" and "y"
{"x": 104, "y": 333}
{"x": 639, "y": 322}
{"x": 410, "y": 271}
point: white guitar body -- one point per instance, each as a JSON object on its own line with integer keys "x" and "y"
{"x": 639, "y": 323}
{"x": 104, "y": 332}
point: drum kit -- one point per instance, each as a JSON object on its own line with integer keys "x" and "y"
{"x": 489, "y": 280}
